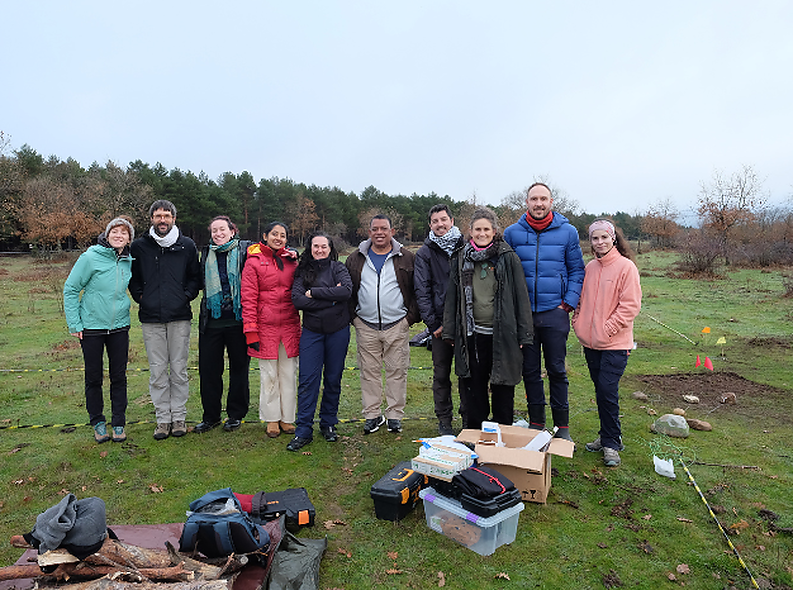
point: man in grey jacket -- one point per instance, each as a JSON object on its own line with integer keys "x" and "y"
{"x": 383, "y": 307}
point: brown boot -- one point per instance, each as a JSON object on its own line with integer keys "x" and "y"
{"x": 273, "y": 430}
{"x": 287, "y": 427}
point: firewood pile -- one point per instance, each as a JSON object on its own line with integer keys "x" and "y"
{"x": 121, "y": 566}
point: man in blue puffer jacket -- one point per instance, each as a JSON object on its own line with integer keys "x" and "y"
{"x": 549, "y": 250}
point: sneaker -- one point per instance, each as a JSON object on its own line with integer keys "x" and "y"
{"x": 231, "y": 425}
{"x": 611, "y": 457}
{"x": 373, "y": 424}
{"x": 297, "y": 443}
{"x": 330, "y": 434}
{"x": 205, "y": 426}
{"x": 394, "y": 425}
{"x": 596, "y": 446}
{"x": 162, "y": 431}
{"x": 178, "y": 428}
{"x": 119, "y": 435}
{"x": 445, "y": 428}
{"x": 100, "y": 432}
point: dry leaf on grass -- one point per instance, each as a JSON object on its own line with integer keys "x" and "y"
{"x": 441, "y": 579}
{"x": 682, "y": 569}
{"x": 602, "y": 545}
{"x": 329, "y": 524}
{"x": 344, "y": 552}
{"x": 155, "y": 489}
{"x": 647, "y": 516}
{"x": 103, "y": 454}
{"x": 306, "y": 453}
{"x": 393, "y": 571}
{"x": 681, "y": 519}
{"x": 501, "y": 576}
{"x": 392, "y": 555}
{"x": 672, "y": 577}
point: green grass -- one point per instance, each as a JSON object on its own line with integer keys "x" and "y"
{"x": 597, "y": 520}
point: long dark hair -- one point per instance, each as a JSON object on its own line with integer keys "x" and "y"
{"x": 305, "y": 269}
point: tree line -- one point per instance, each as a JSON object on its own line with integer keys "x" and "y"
{"x": 50, "y": 204}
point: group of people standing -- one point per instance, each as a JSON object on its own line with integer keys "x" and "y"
{"x": 500, "y": 305}
{"x": 496, "y": 306}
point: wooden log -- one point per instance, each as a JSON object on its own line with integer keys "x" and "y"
{"x": 87, "y": 571}
{"x": 109, "y": 584}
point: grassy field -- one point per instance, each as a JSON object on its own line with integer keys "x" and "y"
{"x": 601, "y": 527}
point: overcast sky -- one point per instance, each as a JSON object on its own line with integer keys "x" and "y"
{"x": 621, "y": 104}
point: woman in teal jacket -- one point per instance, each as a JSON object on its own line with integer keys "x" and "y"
{"x": 100, "y": 319}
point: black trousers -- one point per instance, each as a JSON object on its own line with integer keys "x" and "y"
{"x": 94, "y": 344}
{"x": 478, "y": 389}
{"x": 211, "y": 363}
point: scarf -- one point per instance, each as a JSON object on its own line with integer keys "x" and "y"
{"x": 447, "y": 241}
{"x": 539, "y": 224}
{"x": 213, "y": 289}
{"x": 471, "y": 255}
{"x": 168, "y": 239}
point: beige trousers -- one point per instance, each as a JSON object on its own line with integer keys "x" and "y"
{"x": 278, "y": 392}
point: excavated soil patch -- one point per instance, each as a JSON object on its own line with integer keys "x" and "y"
{"x": 754, "y": 401}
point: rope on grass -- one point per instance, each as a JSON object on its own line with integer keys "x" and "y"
{"x": 137, "y": 422}
{"x": 721, "y": 528}
{"x": 146, "y": 369}
{"x": 660, "y": 323}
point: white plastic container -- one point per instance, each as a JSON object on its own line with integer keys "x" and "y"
{"x": 479, "y": 534}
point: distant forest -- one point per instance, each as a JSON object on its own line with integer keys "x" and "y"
{"x": 50, "y": 204}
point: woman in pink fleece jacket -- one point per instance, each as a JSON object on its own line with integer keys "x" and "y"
{"x": 603, "y": 321}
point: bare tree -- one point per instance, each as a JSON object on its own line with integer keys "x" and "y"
{"x": 516, "y": 200}
{"x": 304, "y": 217}
{"x": 365, "y": 218}
{"x": 727, "y": 202}
{"x": 660, "y": 222}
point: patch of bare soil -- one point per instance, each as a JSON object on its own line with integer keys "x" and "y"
{"x": 752, "y": 400}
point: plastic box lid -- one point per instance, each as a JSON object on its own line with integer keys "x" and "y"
{"x": 453, "y": 506}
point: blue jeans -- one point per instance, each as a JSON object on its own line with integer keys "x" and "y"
{"x": 318, "y": 351}
{"x": 551, "y": 329}
{"x": 606, "y": 368}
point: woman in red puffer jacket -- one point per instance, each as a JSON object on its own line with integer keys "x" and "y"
{"x": 272, "y": 325}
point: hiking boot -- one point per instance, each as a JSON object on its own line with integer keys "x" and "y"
{"x": 373, "y": 424}
{"x": 232, "y": 424}
{"x": 297, "y": 443}
{"x": 330, "y": 434}
{"x": 596, "y": 446}
{"x": 445, "y": 428}
{"x": 119, "y": 435}
{"x": 273, "y": 430}
{"x": 394, "y": 425}
{"x": 287, "y": 427}
{"x": 203, "y": 427}
{"x": 100, "y": 432}
{"x": 162, "y": 431}
{"x": 178, "y": 428}
{"x": 611, "y": 457}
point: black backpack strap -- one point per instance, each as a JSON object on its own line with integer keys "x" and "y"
{"x": 259, "y": 504}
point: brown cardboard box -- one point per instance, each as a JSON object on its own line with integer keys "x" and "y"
{"x": 530, "y": 471}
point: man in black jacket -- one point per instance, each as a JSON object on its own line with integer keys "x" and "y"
{"x": 166, "y": 277}
{"x": 430, "y": 279}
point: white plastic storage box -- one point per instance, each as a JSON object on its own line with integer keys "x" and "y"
{"x": 483, "y": 535}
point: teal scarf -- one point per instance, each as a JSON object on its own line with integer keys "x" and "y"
{"x": 213, "y": 288}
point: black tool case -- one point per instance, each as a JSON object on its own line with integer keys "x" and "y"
{"x": 397, "y": 492}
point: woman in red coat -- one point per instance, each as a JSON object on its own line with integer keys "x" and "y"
{"x": 272, "y": 325}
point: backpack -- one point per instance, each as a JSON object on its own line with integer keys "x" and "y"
{"x": 217, "y": 526}
{"x": 294, "y": 503}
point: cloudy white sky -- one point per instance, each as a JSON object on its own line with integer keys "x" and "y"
{"x": 621, "y": 104}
